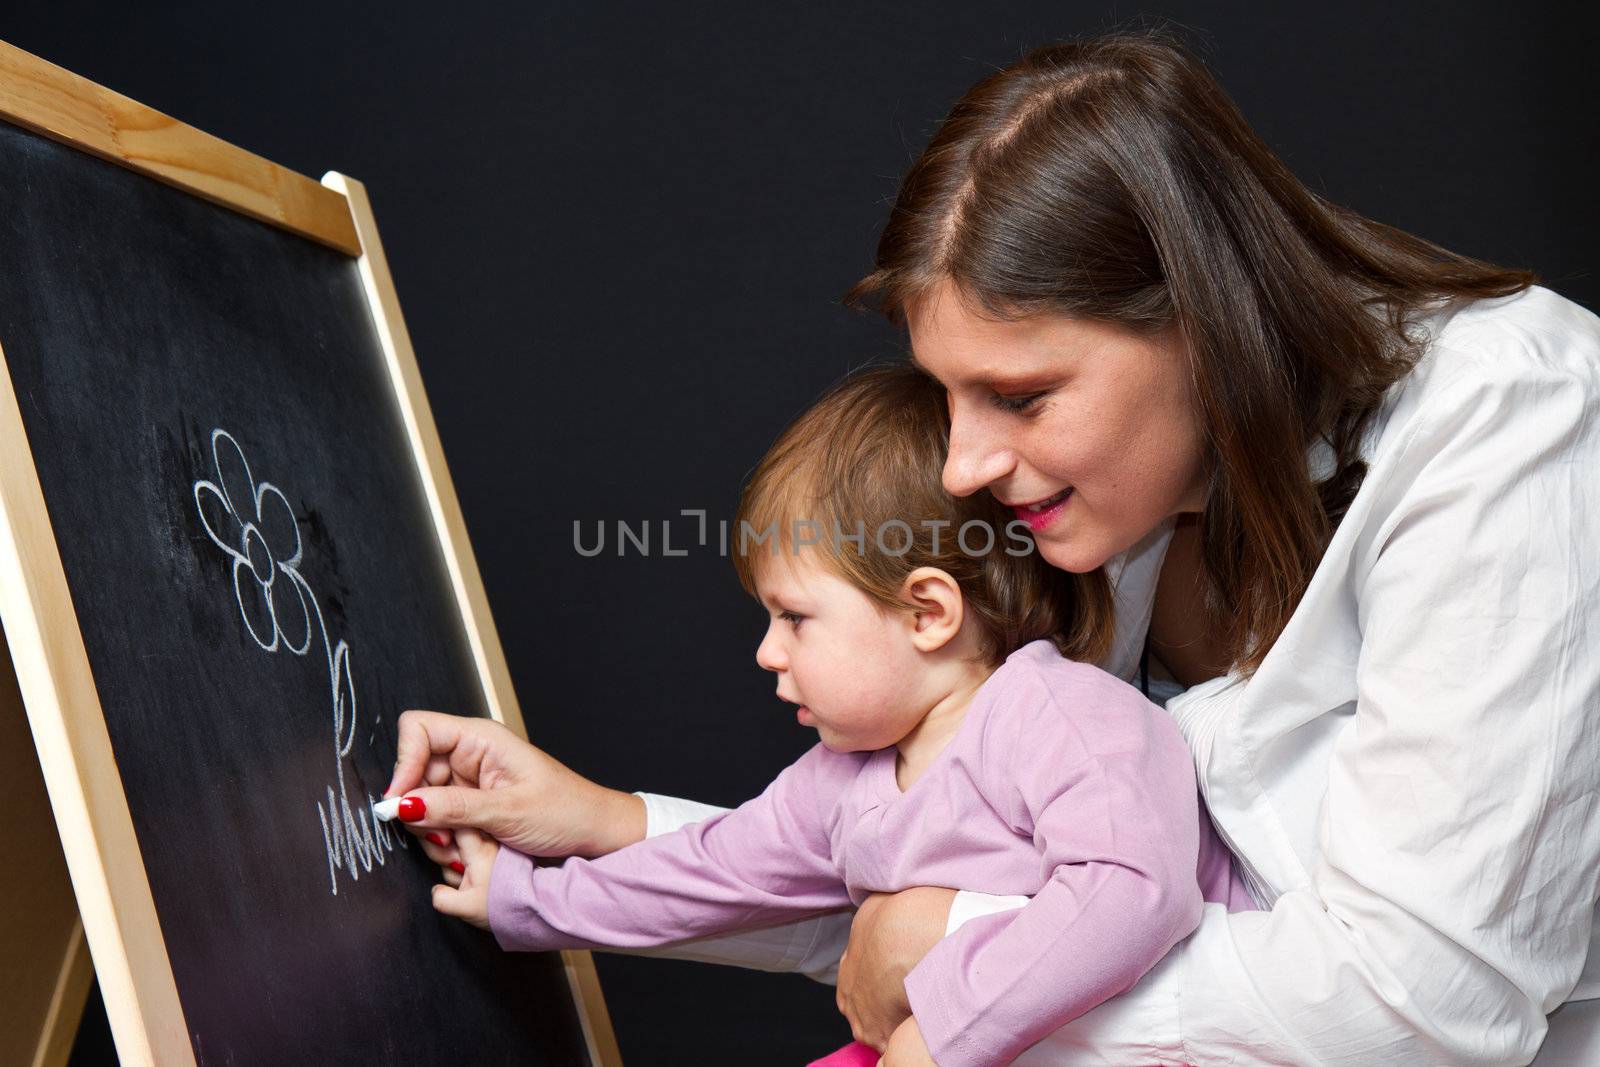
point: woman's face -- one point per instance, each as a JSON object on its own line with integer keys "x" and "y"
{"x": 1084, "y": 429}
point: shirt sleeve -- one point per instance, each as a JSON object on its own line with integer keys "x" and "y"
{"x": 968, "y": 905}
{"x": 765, "y": 862}
{"x": 1103, "y": 782}
{"x": 1453, "y": 901}
{"x": 811, "y": 947}
{"x": 662, "y": 814}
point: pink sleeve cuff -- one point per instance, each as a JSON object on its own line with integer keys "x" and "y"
{"x": 513, "y": 917}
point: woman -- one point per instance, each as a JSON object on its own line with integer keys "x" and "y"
{"x": 1338, "y": 478}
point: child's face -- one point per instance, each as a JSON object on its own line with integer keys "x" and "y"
{"x": 848, "y": 663}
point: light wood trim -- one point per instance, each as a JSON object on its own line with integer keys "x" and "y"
{"x": 592, "y": 1013}
{"x": 80, "y": 772}
{"x": 459, "y": 559}
{"x": 74, "y": 110}
{"x": 40, "y": 997}
{"x": 451, "y": 528}
{"x": 66, "y": 1005}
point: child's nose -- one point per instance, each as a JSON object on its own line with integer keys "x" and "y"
{"x": 769, "y": 655}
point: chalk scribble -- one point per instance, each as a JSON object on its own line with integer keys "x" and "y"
{"x": 279, "y": 607}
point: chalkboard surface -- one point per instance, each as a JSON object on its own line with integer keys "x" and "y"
{"x": 261, "y": 593}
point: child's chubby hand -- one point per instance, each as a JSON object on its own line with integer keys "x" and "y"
{"x": 906, "y": 1047}
{"x": 465, "y": 893}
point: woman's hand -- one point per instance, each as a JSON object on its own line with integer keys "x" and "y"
{"x": 471, "y": 772}
{"x": 890, "y": 935}
{"x": 466, "y": 896}
{"x": 906, "y": 1047}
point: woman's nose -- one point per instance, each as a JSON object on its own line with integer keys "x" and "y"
{"x": 977, "y": 456}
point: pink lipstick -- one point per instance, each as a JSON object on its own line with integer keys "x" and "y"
{"x": 1042, "y": 513}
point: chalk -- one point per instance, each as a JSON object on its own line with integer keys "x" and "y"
{"x": 385, "y": 810}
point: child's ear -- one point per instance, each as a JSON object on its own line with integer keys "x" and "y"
{"x": 936, "y": 607}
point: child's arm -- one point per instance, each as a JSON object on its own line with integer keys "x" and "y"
{"x": 1104, "y": 783}
{"x": 766, "y": 862}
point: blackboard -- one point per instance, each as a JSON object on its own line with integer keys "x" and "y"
{"x": 260, "y": 591}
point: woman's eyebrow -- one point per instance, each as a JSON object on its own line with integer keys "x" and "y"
{"x": 989, "y": 378}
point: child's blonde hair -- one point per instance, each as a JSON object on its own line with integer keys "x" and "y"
{"x": 859, "y": 475}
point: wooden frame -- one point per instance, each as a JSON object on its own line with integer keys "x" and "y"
{"x": 59, "y": 104}
{"x": 40, "y": 1008}
{"x": 452, "y": 531}
{"x": 52, "y": 668}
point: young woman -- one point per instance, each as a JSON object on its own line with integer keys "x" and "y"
{"x": 1341, "y": 480}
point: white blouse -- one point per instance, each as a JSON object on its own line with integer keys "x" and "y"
{"x": 1411, "y": 780}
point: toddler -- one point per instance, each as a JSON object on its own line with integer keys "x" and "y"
{"x": 962, "y": 744}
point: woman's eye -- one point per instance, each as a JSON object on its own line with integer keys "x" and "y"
{"x": 1015, "y": 403}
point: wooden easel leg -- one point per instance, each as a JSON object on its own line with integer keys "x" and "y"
{"x": 45, "y": 973}
{"x": 60, "y": 1027}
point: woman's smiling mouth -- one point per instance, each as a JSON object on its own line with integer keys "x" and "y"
{"x": 1041, "y": 513}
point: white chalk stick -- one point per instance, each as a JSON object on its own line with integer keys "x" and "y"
{"x": 385, "y": 810}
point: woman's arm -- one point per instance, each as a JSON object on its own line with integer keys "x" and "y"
{"x": 475, "y": 772}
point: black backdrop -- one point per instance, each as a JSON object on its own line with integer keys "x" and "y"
{"x": 619, "y": 233}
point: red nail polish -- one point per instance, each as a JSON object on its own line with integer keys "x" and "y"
{"x": 458, "y": 867}
{"x": 412, "y": 809}
{"x": 438, "y": 839}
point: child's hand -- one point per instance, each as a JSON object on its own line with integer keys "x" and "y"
{"x": 906, "y": 1047}
{"x": 466, "y": 896}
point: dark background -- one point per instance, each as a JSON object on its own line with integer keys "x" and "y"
{"x": 620, "y": 231}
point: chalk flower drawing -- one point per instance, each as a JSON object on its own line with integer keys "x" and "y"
{"x": 254, "y": 524}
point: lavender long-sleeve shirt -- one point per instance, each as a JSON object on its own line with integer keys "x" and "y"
{"x": 1062, "y": 783}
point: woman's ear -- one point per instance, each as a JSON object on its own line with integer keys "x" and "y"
{"x": 936, "y": 607}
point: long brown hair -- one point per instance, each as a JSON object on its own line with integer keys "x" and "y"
{"x": 1113, "y": 179}
{"x": 863, "y": 465}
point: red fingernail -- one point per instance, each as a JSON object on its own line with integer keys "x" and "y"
{"x": 412, "y": 809}
{"x": 458, "y": 867}
{"x": 438, "y": 839}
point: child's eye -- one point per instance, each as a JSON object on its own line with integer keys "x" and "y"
{"x": 1015, "y": 403}
{"x": 791, "y": 618}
